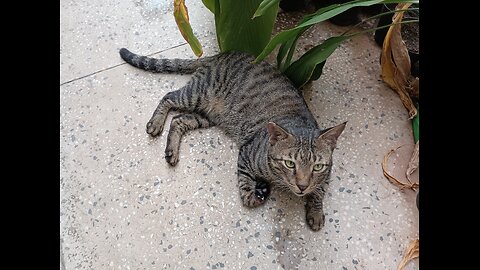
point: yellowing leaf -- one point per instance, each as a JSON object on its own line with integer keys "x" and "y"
{"x": 180, "y": 12}
{"x": 411, "y": 253}
{"x": 395, "y": 62}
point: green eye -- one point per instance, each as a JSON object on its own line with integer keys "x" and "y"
{"x": 317, "y": 167}
{"x": 289, "y": 164}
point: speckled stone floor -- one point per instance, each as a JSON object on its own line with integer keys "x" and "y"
{"x": 123, "y": 207}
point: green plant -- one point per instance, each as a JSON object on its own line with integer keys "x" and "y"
{"x": 309, "y": 66}
{"x": 247, "y": 26}
{"x": 415, "y": 126}
{"x": 234, "y": 25}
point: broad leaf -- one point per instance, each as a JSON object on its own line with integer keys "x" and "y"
{"x": 264, "y": 6}
{"x": 180, "y": 12}
{"x": 317, "y": 71}
{"x": 210, "y": 4}
{"x": 302, "y": 70}
{"x": 328, "y": 12}
{"x": 290, "y": 47}
{"x": 236, "y": 30}
{"x": 281, "y": 37}
{"x": 282, "y": 52}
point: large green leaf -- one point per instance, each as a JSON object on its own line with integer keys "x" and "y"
{"x": 236, "y": 30}
{"x": 264, "y": 6}
{"x": 301, "y": 71}
{"x": 280, "y": 38}
{"x": 210, "y": 4}
{"x": 287, "y": 49}
{"x": 335, "y": 9}
{"x": 328, "y": 12}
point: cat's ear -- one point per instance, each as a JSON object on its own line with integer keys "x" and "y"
{"x": 276, "y": 133}
{"x": 331, "y": 135}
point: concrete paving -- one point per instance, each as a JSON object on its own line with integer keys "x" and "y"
{"x": 123, "y": 207}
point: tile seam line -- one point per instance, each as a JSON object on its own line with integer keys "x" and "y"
{"x": 117, "y": 65}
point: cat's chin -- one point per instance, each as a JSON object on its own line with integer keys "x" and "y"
{"x": 299, "y": 194}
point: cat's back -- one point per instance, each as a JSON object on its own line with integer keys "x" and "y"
{"x": 237, "y": 79}
{"x": 248, "y": 95}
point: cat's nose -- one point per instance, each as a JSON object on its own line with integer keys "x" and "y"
{"x": 302, "y": 187}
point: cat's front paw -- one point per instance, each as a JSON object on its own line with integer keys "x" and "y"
{"x": 315, "y": 220}
{"x": 262, "y": 190}
{"x": 257, "y": 197}
{"x": 155, "y": 126}
{"x": 249, "y": 199}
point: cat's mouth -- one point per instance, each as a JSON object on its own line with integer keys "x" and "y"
{"x": 300, "y": 194}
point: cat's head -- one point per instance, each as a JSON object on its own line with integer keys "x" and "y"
{"x": 301, "y": 161}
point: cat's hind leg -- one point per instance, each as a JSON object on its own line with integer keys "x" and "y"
{"x": 178, "y": 127}
{"x": 183, "y": 99}
{"x": 157, "y": 121}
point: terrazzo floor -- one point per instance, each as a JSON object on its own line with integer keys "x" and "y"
{"x": 123, "y": 207}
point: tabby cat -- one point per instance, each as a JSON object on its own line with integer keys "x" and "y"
{"x": 279, "y": 140}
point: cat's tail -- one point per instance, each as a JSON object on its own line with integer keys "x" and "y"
{"x": 182, "y": 66}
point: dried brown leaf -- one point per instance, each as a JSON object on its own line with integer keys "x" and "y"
{"x": 395, "y": 62}
{"x": 411, "y": 253}
{"x": 391, "y": 178}
{"x": 413, "y": 164}
{"x": 399, "y": 52}
{"x": 413, "y": 89}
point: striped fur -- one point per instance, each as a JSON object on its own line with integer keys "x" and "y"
{"x": 259, "y": 108}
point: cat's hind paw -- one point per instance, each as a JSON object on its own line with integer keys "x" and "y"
{"x": 155, "y": 126}
{"x": 171, "y": 157}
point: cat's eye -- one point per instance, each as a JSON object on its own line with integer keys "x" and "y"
{"x": 318, "y": 167}
{"x": 289, "y": 164}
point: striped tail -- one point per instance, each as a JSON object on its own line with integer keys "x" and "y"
{"x": 181, "y": 66}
